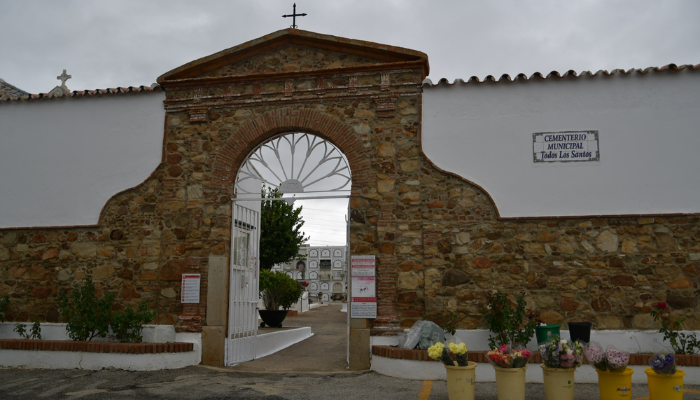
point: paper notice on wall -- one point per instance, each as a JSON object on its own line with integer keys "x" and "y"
{"x": 363, "y": 310}
{"x": 190, "y": 288}
{"x": 364, "y": 289}
{"x": 362, "y": 265}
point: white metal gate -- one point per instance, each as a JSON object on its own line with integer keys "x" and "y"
{"x": 243, "y": 289}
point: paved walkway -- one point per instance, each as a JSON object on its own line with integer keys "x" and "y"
{"x": 324, "y": 352}
{"x": 206, "y": 383}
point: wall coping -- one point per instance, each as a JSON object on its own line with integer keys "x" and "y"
{"x": 692, "y": 360}
{"x": 95, "y": 347}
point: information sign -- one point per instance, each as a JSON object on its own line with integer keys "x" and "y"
{"x": 190, "y": 288}
{"x": 362, "y": 265}
{"x": 363, "y": 299}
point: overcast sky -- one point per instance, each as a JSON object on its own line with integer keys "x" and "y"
{"x": 109, "y": 43}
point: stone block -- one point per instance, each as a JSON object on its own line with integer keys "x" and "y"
{"x": 607, "y": 241}
{"x": 217, "y": 290}
{"x": 359, "y": 349}
{"x": 213, "y": 345}
{"x": 358, "y": 323}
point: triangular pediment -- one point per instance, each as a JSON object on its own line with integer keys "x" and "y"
{"x": 291, "y": 51}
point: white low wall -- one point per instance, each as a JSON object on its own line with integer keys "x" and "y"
{"x": 56, "y": 331}
{"x": 435, "y": 371}
{"x": 630, "y": 341}
{"x": 270, "y": 343}
{"x": 96, "y": 361}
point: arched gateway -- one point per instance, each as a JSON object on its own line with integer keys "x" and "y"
{"x": 362, "y": 97}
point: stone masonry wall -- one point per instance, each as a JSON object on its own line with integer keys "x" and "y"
{"x": 125, "y": 255}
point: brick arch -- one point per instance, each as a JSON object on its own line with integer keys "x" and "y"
{"x": 282, "y": 120}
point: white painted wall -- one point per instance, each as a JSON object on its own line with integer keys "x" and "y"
{"x": 57, "y": 331}
{"x": 649, "y": 127}
{"x": 629, "y": 341}
{"x": 62, "y": 159}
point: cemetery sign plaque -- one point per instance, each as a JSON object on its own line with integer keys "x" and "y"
{"x": 567, "y": 146}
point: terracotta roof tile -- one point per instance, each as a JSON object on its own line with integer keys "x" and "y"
{"x": 7, "y": 90}
{"x": 568, "y": 74}
{"x": 85, "y": 93}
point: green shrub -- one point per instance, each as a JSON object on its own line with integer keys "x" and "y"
{"x": 33, "y": 333}
{"x": 127, "y": 325}
{"x": 4, "y": 305}
{"x": 510, "y": 324}
{"x": 86, "y": 315}
{"x": 277, "y": 290}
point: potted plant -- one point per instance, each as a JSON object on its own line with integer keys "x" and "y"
{"x": 511, "y": 324}
{"x": 460, "y": 372}
{"x": 614, "y": 376}
{"x": 665, "y": 381}
{"x": 560, "y": 358}
{"x": 580, "y": 331}
{"x": 510, "y": 365}
{"x": 277, "y": 290}
{"x": 682, "y": 343}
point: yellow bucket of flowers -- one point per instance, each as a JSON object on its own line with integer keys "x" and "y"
{"x": 510, "y": 365}
{"x": 461, "y": 374}
{"x": 664, "y": 379}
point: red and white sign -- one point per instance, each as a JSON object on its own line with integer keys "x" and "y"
{"x": 363, "y": 265}
{"x": 190, "y": 288}
{"x": 364, "y": 289}
{"x": 363, "y": 299}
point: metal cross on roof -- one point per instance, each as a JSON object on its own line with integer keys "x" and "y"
{"x": 294, "y": 16}
{"x": 63, "y": 78}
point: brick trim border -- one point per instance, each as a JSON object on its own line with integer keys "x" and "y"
{"x": 682, "y": 360}
{"x": 95, "y": 347}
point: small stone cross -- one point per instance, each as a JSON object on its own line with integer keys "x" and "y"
{"x": 63, "y": 78}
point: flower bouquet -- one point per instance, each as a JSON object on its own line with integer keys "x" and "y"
{"x": 508, "y": 357}
{"x": 561, "y": 353}
{"x": 663, "y": 364}
{"x": 560, "y": 357}
{"x": 612, "y": 359}
{"x": 438, "y": 351}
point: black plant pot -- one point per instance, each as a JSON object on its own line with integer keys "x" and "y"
{"x": 580, "y": 331}
{"x": 272, "y": 318}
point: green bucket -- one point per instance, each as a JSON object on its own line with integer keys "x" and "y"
{"x": 545, "y": 332}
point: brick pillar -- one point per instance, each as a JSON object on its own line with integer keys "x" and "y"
{"x": 387, "y": 317}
